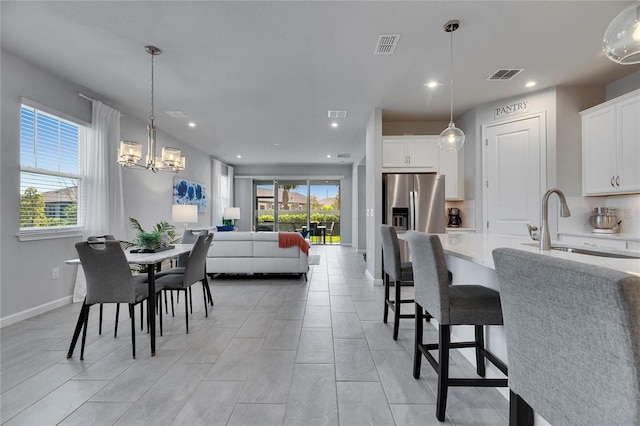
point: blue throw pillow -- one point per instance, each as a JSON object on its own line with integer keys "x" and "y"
{"x": 225, "y": 228}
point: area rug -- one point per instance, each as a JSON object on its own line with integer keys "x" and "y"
{"x": 314, "y": 259}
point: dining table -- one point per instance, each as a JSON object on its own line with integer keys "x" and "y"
{"x": 152, "y": 260}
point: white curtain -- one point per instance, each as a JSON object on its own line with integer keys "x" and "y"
{"x": 104, "y": 205}
{"x": 230, "y": 185}
{"x": 216, "y": 193}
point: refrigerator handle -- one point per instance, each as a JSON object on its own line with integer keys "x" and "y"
{"x": 412, "y": 210}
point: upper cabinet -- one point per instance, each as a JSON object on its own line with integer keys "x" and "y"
{"x": 421, "y": 154}
{"x": 416, "y": 152}
{"x": 611, "y": 147}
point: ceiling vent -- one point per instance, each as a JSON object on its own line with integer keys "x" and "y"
{"x": 505, "y": 74}
{"x": 334, "y": 113}
{"x": 386, "y": 44}
{"x": 344, "y": 155}
{"x": 177, "y": 114}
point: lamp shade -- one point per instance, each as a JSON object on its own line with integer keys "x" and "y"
{"x": 184, "y": 213}
{"x": 232, "y": 213}
{"x": 451, "y": 138}
{"x": 621, "y": 41}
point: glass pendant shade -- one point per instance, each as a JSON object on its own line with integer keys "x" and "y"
{"x": 170, "y": 156}
{"x": 621, "y": 41}
{"x": 130, "y": 153}
{"x": 451, "y": 138}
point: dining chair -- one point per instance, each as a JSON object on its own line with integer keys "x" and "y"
{"x": 189, "y": 236}
{"x": 109, "y": 280}
{"x": 401, "y": 273}
{"x": 573, "y": 340}
{"x": 450, "y": 305}
{"x": 194, "y": 271}
{"x": 329, "y": 232}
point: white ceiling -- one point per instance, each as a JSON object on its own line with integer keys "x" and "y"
{"x": 254, "y": 74}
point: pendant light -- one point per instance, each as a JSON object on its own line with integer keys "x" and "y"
{"x": 130, "y": 153}
{"x": 621, "y": 41}
{"x": 451, "y": 138}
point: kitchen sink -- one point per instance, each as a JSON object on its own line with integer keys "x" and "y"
{"x": 589, "y": 252}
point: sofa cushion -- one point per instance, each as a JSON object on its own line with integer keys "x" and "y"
{"x": 265, "y": 236}
{"x": 232, "y": 236}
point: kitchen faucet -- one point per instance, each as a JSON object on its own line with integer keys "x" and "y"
{"x": 545, "y": 239}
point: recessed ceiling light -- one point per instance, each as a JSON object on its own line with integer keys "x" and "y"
{"x": 432, "y": 84}
{"x": 530, "y": 83}
{"x": 192, "y": 124}
{"x": 238, "y": 156}
{"x": 334, "y": 124}
{"x": 328, "y": 155}
{"x": 276, "y": 144}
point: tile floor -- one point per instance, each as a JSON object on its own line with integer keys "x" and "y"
{"x": 274, "y": 351}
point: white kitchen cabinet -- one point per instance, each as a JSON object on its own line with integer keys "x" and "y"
{"x": 415, "y": 152}
{"x": 421, "y": 154}
{"x": 611, "y": 147}
{"x": 449, "y": 165}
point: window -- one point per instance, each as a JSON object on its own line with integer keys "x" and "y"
{"x": 50, "y": 172}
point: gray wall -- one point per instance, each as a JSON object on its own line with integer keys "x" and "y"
{"x": 26, "y": 287}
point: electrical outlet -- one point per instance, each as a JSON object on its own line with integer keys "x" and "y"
{"x": 55, "y": 273}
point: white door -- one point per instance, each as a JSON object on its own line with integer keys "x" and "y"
{"x": 514, "y": 170}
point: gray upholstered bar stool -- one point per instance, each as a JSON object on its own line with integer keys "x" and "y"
{"x": 450, "y": 305}
{"x": 401, "y": 273}
{"x": 573, "y": 340}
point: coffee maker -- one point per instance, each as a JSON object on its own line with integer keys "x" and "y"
{"x": 454, "y": 218}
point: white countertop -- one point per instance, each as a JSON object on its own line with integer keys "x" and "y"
{"x": 619, "y": 236}
{"x": 477, "y": 248}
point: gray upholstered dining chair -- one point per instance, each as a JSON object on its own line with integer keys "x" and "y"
{"x": 450, "y": 305}
{"x": 194, "y": 271}
{"x": 401, "y": 273}
{"x": 109, "y": 280}
{"x": 573, "y": 340}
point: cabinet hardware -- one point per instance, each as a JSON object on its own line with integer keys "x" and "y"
{"x": 612, "y": 181}
{"x": 617, "y": 180}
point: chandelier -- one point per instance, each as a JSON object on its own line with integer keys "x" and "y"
{"x": 130, "y": 152}
{"x": 451, "y": 138}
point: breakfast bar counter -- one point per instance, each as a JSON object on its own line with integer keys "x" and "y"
{"x": 469, "y": 257}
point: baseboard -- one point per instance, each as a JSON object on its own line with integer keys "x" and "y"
{"x": 370, "y": 277}
{"x": 32, "y": 312}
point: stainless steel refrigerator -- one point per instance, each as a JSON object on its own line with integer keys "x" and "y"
{"x": 414, "y": 201}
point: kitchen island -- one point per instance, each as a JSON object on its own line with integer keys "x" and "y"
{"x": 469, "y": 257}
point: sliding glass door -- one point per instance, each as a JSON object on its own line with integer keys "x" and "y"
{"x": 299, "y": 205}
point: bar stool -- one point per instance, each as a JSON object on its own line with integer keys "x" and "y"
{"x": 400, "y": 272}
{"x": 573, "y": 340}
{"x": 450, "y": 305}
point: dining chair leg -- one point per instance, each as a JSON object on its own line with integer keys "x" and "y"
{"x": 84, "y": 331}
{"x": 76, "y": 332}
{"x": 206, "y": 283}
{"x": 100, "y": 322}
{"x": 443, "y": 371}
{"x": 417, "y": 354}
{"x": 133, "y": 328}
{"x": 142, "y": 318}
{"x": 204, "y": 297}
{"x": 115, "y": 329}
{"x": 173, "y": 314}
{"x": 190, "y": 299}
{"x": 186, "y": 309}
{"x": 159, "y": 296}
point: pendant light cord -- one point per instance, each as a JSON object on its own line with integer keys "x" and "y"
{"x": 152, "y": 116}
{"x": 451, "y": 89}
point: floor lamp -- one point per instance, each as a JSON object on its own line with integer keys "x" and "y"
{"x": 232, "y": 213}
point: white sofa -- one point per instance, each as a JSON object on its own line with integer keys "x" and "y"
{"x": 254, "y": 252}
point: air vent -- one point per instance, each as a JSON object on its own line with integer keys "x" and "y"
{"x": 335, "y": 113}
{"x": 386, "y": 44}
{"x": 344, "y": 155}
{"x": 505, "y": 74}
{"x": 177, "y": 114}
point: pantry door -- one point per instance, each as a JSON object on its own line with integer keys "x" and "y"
{"x": 514, "y": 172}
